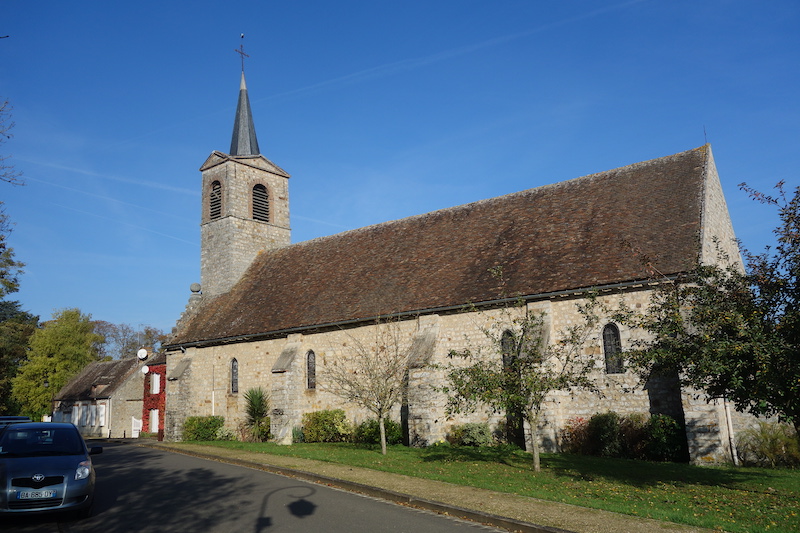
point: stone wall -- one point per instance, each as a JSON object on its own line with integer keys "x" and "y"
{"x": 279, "y": 366}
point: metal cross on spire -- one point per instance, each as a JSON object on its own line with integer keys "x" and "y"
{"x": 240, "y": 51}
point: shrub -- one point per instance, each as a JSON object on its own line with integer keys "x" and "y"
{"x": 369, "y": 432}
{"x": 471, "y": 434}
{"x": 256, "y": 408}
{"x": 297, "y": 434}
{"x": 603, "y": 430}
{"x": 326, "y": 426}
{"x": 665, "y": 439}
{"x": 575, "y": 436}
{"x": 633, "y": 435}
{"x": 771, "y": 444}
{"x": 202, "y": 427}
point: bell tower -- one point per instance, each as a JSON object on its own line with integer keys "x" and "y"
{"x": 245, "y": 205}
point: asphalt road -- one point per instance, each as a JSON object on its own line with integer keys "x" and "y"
{"x": 144, "y": 490}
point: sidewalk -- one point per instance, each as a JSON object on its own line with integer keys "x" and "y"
{"x": 506, "y": 511}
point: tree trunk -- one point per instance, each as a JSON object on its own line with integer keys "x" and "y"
{"x": 533, "y": 421}
{"x": 383, "y": 435}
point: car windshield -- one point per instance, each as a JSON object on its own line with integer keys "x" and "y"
{"x": 23, "y": 442}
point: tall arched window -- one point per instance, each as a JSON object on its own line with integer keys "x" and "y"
{"x": 612, "y": 348}
{"x": 507, "y": 346}
{"x": 215, "y": 201}
{"x": 260, "y": 203}
{"x": 311, "y": 370}
{"x": 234, "y": 376}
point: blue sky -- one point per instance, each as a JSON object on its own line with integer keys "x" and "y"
{"x": 378, "y": 110}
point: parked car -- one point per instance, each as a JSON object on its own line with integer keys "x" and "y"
{"x": 6, "y": 420}
{"x": 45, "y": 467}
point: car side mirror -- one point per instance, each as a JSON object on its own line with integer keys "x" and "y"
{"x": 95, "y": 450}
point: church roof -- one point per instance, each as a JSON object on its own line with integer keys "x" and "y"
{"x": 592, "y": 231}
{"x": 243, "y": 141}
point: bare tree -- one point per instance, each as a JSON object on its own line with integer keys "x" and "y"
{"x": 373, "y": 377}
{"x": 7, "y": 172}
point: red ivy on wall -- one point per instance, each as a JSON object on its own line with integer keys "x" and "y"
{"x": 154, "y": 401}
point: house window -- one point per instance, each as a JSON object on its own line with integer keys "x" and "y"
{"x": 260, "y": 203}
{"x": 311, "y": 370}
{"x": 612, "y": 348}
{"x": 234, "y": 376}
{"x": 155, "y": 383}
{"x": 215, "y": 201}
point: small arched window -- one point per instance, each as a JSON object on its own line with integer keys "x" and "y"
{"x": 260, "y": 203}
{"x": 234, "y": 376}
{"x": 612, "y": 348}
{"x": 507, "y": 346}
{"x": 215, "y": 201}
{"x": 311, "y": 370}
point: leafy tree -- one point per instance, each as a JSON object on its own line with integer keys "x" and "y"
{"x": 517, "y": 368}
{"x": 10, "y": 268}
{"x": 57, "y": 352}
{"x": 734, "y": 334}
{"x": 374, "y": 376}
{"x": 16, "y": 327}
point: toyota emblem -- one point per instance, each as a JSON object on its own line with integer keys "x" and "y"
{"x": 38, "y": 477}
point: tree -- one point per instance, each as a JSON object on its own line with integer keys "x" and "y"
{"x": 734, "y": 334}
{"x": 374, "y": 376}
{"x": 10, "y": 269}
{"x": 123, "y": 341}
{"x": 16, "y": 327}
{"x": 7, "y": 172}
{"x": 57, "y": 352}
{"x": 515, "y": 371}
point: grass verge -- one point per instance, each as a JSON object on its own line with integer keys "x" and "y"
{"x": 726, "y": 498}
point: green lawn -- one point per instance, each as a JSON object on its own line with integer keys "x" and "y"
{"x": 729, "y": 498}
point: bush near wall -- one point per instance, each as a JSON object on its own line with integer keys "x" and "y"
{"x": 369, "y": 432}
{"x": 202, "y": 427}
{"x": 326, "y": 426}
{"x": 471, "y": 434}
{"x": 770, "y": 444}
{"x": 637, "y": 436}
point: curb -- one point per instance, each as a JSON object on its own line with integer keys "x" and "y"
{"x": 375, "y": 492}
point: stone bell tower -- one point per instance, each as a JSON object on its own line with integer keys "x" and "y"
{"x": 245, "y": 206}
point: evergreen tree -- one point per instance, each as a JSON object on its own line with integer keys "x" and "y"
{"x": 16, "y": 327}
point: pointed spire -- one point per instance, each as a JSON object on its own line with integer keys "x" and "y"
{"x": 244, "y": 140}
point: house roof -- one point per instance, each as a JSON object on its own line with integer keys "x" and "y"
{"x": 587, "y": 232}
{"x": 98, "y": 380}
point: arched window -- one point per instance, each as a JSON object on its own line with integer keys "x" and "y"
{"x": 612, "y": 348}
{"x": 234, "y": 376}
{"x": 311, "y": 370}
{"x": 260, "y": 203}
{"x": 215, "y": 201}
{"x": 508, "y": 348}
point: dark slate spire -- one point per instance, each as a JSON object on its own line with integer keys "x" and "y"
{"x": 244, "y": 140}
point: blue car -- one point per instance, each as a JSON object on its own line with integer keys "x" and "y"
{"x": 45, "y": 467}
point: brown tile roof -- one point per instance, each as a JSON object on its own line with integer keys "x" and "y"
{"x": 98, "y": 380}
{"x": 569, "y": 235}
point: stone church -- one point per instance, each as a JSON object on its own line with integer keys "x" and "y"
{"x": 276, "y": 314}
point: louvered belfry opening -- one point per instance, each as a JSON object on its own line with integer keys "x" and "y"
{"x": 215, "y": 201}
{"x": 260, "y": 203}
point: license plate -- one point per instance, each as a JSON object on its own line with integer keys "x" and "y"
{"x": 35, "y": 494}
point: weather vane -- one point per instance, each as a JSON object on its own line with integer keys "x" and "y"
{"x": 240, "y": 51}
